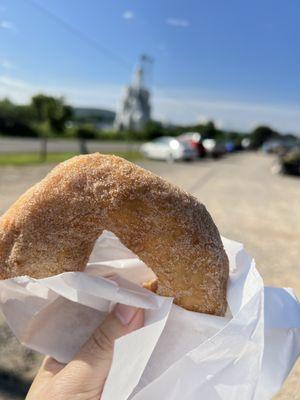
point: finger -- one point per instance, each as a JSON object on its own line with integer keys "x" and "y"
{"x": 48, "y": 369}
{"x": 91, "y": 365}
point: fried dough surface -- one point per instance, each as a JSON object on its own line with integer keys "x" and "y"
{"x": 52, "y": 228}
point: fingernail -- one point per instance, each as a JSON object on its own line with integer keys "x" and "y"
{"x": 125, "y": 313}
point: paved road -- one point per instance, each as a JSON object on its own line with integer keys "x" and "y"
{"x": 248, "y": 204}
{"x": 19, "y": 145}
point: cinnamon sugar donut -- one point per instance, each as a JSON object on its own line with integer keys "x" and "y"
{"x": 53, "y": 227}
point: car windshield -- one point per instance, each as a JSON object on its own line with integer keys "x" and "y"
{"x": 185, "y": 145}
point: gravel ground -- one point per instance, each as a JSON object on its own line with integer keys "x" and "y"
{"x": 248, "y": 204}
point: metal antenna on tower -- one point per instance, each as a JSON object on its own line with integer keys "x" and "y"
{"x": 146, "y": 63}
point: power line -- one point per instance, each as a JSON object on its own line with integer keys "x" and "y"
{"x": 95, "y": 44}
{"x": 87, "y": 39}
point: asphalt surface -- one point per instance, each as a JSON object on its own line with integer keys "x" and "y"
{"x": 30, "y": 145}
{"x": 248, "y": 204}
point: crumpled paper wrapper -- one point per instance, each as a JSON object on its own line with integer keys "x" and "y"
{"x": 178, "y": 354}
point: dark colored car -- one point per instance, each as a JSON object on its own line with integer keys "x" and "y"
{"x": 214, "y": 149}
{"x": 271, "y": 146}
{"x": 193, "y": 139}
{"x": 230, "y": 147}
{"x": 290, "y": 162}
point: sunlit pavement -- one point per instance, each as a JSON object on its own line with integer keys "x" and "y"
{"x": 248, "y": 204}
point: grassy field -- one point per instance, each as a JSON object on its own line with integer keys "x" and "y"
{"x": 34, "y": 158}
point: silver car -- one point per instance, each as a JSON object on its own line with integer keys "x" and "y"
{"x": 169, "y": 149}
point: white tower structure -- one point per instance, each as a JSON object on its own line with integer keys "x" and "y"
{"x": 135, "y": 110}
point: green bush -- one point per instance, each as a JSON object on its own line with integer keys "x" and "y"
{"x": 86, "y": 132}
{"x": 111, "y": 135}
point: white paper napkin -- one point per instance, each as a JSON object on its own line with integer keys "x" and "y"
{"x": 178, "y": 354}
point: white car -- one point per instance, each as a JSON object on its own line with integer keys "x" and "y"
{"x": 169, "y": 149}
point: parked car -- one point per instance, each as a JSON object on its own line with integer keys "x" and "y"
{"x": 168, "y": 148}
{"x": 290, "y": 162}
{"x": 193, "y": 139}
{"x": 281, "y": 146}
{"x": 245, "y": 144}
{"x": 271, "y": 146}
{"x": 287, "y": 146}
{"x": 230, "y": 147}
{"x": 213, "y": 148}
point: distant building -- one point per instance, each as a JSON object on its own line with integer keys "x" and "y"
{"x": 97, "y": 117}
{"x": 135, "y": 109}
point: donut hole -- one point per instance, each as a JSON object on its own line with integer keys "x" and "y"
{"x": 111, "y": 257}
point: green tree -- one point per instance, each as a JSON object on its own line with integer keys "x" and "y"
{"x": 84, "y": 132}
{"x": 153, "y": 129}
{"x": 50, "y": 115}
{"x": 15, "y": 120}
{"x": 260, "y": 135}
{"x": 52, "y": 111}
{"x": 208, "y": 131}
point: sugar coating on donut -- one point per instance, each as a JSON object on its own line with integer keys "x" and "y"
{"x": 52, "y": 228}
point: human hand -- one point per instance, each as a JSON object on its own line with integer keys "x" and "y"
{"x": 84, "y": 376}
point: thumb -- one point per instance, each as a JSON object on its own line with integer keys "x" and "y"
{"x": 92, "y": 363}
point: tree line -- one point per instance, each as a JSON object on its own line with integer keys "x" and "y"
{"x": 48, "y": 116}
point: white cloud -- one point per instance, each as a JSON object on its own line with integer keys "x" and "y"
{"x": 6, "y": 64}
{"x": 177, "y": 106}
{"x": 99, "y": 95}
{"x": 6, "y": 25}
{"x": 219, "y": 124}
{"x": 128, "y": 14}
{"x": 178, "y": 22}
{"x": 202, "y": 119}
{"x": 12, "y": 83}
{"x": 185, "y": 107}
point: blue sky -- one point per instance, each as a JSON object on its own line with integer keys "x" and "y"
{"x": 233, "y": 61}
